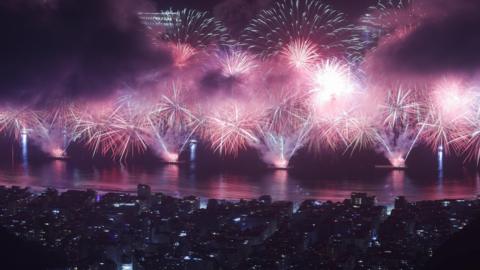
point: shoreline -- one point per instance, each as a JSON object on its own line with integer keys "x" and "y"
{"x": 204, "y": 199}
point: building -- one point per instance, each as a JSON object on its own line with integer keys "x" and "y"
{"x": 160, "y": 20}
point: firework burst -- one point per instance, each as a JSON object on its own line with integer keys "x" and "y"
{"x": 182, "y": 53}
{"x": 362, "y": 132}
{"x": 468, "y": 140}
{"x": 191, "y": 32}
{"x": 399, "y": 116}
{"x": 332, "y": 82}
{"x": 15, "y": 121}
{"x": 452, "y": 104}
{"x": 235, "y": 63}
{"x": 301, "y": 54}
{"x": 128, "y": 132}
{"x": 278, "y": 149}
{"x": 196, "y": 29}
{"x": 173, "y": 123}
{"x": 290, "y": 21}
{"x": 285, "y": 128}
{"x": 55, "y": 134}
{"x": 399, "y": 109}
{"x": 232, "y": 127}
{"x": 121, "y": 130}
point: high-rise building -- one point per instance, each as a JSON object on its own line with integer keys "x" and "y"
{"x": 144, "y": 192}
{"x": 158, "y": 23}
{"x": 362, "y": 199}
{"x": 162, "y": 20}
{"x": 401, "y": 202}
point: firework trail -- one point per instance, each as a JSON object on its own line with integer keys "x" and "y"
{"x": 128, "y": 133}
{"x": 331, "y": 82}
{"x": 231, "y": 127}
{"x": 120, "y": 130}
{"x": 468, "y": 140}
{"x": 399, "y": 115}
{"x": 333, "y": 101}
{"x": 362, "y": 132}
{"x": 301, "y": 54}
{"x": 173, "y": 123}
{"x": 452, "y": 104}
{"x": 278, "y": 149}
{"x": 328, "y": 133}
{"x": 301, "y": 29}
{"x": 285, "y": 128}
{"x": 303, "y": 88}
{"x": 15, "y": 121}
{"x": 90, "y": 122}
{"x": 55, "y": 133}
{"x": 235, "y": 63}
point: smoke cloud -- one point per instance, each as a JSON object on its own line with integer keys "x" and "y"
{"x": 236, "y": 13}
{"x": 73, "y": 49}
{"x": 444, "y": 41}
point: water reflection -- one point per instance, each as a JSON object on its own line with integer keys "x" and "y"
{"x": 180, "y": 180}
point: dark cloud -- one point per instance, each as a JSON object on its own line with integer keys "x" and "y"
{"x": 72, "y": 48}
{"x": 237, "y": 13}
{"x": 205, "y": 5}
{"x": 448, "y": 41}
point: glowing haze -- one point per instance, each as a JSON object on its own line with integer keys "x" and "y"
{"x": 299, "y": 75}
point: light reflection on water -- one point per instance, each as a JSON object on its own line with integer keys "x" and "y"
{"x": 280, "y": 184}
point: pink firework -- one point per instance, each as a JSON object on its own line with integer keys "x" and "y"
{"x": 285, "y": 110}
{"x": 454, "y": 99}
{"x": 182, "y": 54}
{"x": 231, "y": 127}
{"x": 277, "y": 149}
{"x": 452, "y": 104}
{"x": 331, "y": 81}
{"x": 398, "y": 124}
{"x": 55, "y": 134}
{"x": 468, "y": 140}
{"x": 285, "y": 128}
{"x": 330, "y": 132}
{"x": 437, "y": 130}
{"x": 301, "y": 54}
{"x": 400, "y": 108}
{"x": 129, "y": 132}
{"x": 90, "y": 122}
{"x": 362, "y": 132}
{"x": 15, "y": 121}
{"x": 236, "y": 63}
{"x": 173, "y": 123}
{"x": 119, "y": 131}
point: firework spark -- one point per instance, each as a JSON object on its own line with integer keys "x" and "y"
{"x": 236, "y": 63}
{"x": 290, "y": 21}
{"x": 182, "y": 54}
{"x": 232, "y": 127}
{"x": 55, "y": 134}
{"x": 301, "y": 54}
{"x": 399, "y": 114}
{"x": 331, "y": 82}
{"x": 173, "y": 123}
{"x": 196, "y": 29}
{"x": 399, "y": 109}
{"x": 15, "y": 121}
{"x": 285, "y": 128}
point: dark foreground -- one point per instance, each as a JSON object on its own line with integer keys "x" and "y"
{"x": 83, "y": 230}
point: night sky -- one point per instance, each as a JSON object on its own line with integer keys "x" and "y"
{"x": 86, "y": 49}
